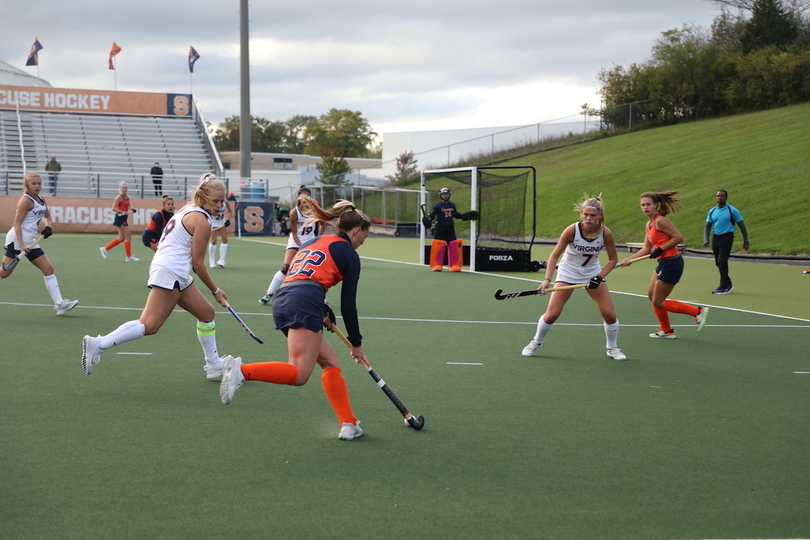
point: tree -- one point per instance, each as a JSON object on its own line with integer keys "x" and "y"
{"x": 770, "y": 24}
{"x": 342, "y": 131}
{"x": 333, "y": 167}
{"x": 406, "y": 170}
{"x": 295, "y": 140}
{"x": 226, "y": 136}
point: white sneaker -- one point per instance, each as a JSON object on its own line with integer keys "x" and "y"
{"x": 529, "y": 349}
{"x": 103, "y": 252}
{"x": 213, "y": 369}
{"x": 211, "y": 263}
{"x": 660, "y": 334}
{"x": 91, "y": 353}
{"x": 700, "y": 318}
{"x": 132, "y": 259}
{"x": 232, "y": 378}
{"x": 616, "y": 354}
{"x": 349, "y": 431}
{"x": 65, "y": 306}
{"x": 221, "y": 264}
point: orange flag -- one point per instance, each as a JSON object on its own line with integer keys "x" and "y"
{"x": 115, "y": 50}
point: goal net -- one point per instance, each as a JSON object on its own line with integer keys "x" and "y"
{"x": 505, "y": 197}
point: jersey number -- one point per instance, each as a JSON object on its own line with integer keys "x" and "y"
{"x": 169, "y": 228}
{"x": 306, "y": 262}
{"x": 587, "y": 259}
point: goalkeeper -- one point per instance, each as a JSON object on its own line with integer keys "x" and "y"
{"x": 444, "y": 235}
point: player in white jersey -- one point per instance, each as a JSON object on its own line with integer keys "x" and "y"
{"x": 581, "y": 243}
{"x": 182, "y": 248}
{"x": 30, "y": 212}
{"x": 302, "y": 229}
{"x": 219, "y": 228}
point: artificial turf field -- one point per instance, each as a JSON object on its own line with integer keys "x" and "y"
{"x": 705, "y": 436}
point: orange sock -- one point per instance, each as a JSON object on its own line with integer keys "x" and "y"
{"x": 338, "y": 394}
{"x": 128, "y": 248}
{"x": 673, "y": 306}
{"x": 663, "y": 319}
{"x": 272, "y": 372}
{"x": 112, "y": 244}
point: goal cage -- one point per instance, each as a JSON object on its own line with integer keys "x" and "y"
{"x": 506, "y": 199}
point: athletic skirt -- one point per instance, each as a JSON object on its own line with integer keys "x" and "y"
{"x": 299, "y": 304}
{"x": 670, "y": 269}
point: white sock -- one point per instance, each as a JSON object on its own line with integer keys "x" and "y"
{"x": 278, "y": 279}
{"x": 53, "y": 289}
{"x": 126, "y": 332}
{"x": 212, "y": 253}
{"x": 543, "y": 328}
{"x": 223, "y": 250}
{"x": 206, "y": 333}
{"x": 611, "y": 334}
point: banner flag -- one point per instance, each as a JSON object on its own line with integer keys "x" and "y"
{"x": 115, "y": 50}
{"x": 193, "y": 56}
{"x": 33, "y": 56}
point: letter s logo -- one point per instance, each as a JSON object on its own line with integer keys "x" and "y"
{"x": 181, "y": 106}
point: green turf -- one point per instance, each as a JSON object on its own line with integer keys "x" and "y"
{"x": 700, "y": 437}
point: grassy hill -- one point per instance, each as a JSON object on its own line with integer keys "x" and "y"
{"x": 761, "y": 159}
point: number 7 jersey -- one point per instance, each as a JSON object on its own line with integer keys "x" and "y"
{"x": 581, "y": 260}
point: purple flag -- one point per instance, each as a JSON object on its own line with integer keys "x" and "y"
{"x": 33, "y": 56}
{"x": 193, "y": 56}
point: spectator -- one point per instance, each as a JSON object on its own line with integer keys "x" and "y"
{"x": 157, "y": 179}
{"x": 53, "y": 168}
{"x": 722, "y": 218}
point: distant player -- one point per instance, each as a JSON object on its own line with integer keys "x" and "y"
{"x": 444, "y": 234}
{"x": 154, "y": 229}
{"x": 219, "y": 228}
{"x": 122, "y": 208}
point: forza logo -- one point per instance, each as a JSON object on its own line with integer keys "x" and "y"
{"x": 501, "y": 258}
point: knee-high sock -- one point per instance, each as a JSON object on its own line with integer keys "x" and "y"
{"x": 437, "y": 250}
{"x": 126, "y": 332}
{"x": 271, "y": 372}
{"x": 663, "y": 319}
{"x": 223, "y": 251}
{"x": 53, "y": 289}
{"x": 338, "y": 394}
{"x": 128, "y": 248}
{"x": 543, "y": 328}
{"x": 673, "y": 306}
{"x": 611, "y": 334}
{"x": 212, "y": 253}
{"x": 207, "y": 334}
{"x": 278, "y": 279}
{"x": 112, "y": 244}
{"x": 453, "y": 249}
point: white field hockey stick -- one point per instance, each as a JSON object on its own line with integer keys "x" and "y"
{"x": 411, "y": 420}
{"x": 15, "y": 260}
{"x": 533, "y": 292}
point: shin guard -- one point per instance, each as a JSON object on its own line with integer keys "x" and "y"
{"x": 437, "y": 251}
{"x": 455, "y": 255}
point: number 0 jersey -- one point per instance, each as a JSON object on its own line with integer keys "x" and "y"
{"x": 581, "y": 260}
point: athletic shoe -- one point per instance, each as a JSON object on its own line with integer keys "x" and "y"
{"x": 232, "y": 378}
{"x": 455, "y": 268}
{"x": 616, "y": 354}
{"x": 213, "y": 369}
{"x": 663, "y": 335}
{"x": 349, "y": 431}
{"x": 103, "y": 252}
{"x": 132, "y": 259}
{"x": 806, "y": 271}
{"x": 719, "y": 290}
{"x": 91, "y": 353}
{"x": 700, "y": 318}
{"x": 436, "y": 268}
{"x": 221, "y": 264}
{"x": 65, "y": 306}
{"x": 529, "y": 349}
{"x": 266, "y": 298}
{"x": 729, "y": 289}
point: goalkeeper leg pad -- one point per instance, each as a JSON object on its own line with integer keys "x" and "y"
{"x": 437, "y": 251}
{"x": 455, "y": 256}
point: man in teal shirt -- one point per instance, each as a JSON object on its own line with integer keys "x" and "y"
{"x": 722, "y": 218}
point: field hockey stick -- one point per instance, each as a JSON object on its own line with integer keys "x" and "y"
{"x": 13, "y": 262}
{"x": 628, "y": 262}
{"x": 411, "y": 420}
{"x": 238, "y": 318}
{"x": 533, "y": 292}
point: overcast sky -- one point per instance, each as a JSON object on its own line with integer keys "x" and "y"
{"x": 406, "y": 66}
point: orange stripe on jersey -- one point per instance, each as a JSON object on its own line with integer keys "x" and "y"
{"x": 315, "y": 263}
{"x": 659, "y": 238}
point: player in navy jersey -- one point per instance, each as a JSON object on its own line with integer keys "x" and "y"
{"x": 154, "y": 229}
{"x": 300, "y": 311}
{"x": 581, "y": 244}
{"x": 444, "y": 233}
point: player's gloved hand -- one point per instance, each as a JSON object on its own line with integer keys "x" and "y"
{"x": 329, "y": 314}
{"x": 426, "y": 221}
{"x": 595, "y": 281}
{"x": 46, "y": 232}
{"x": 134, "y": 210}
{"x": 227, "y": 222}
{"x": 654, "y": 254}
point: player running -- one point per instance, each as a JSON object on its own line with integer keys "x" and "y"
{"x": 123, "y": 208}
